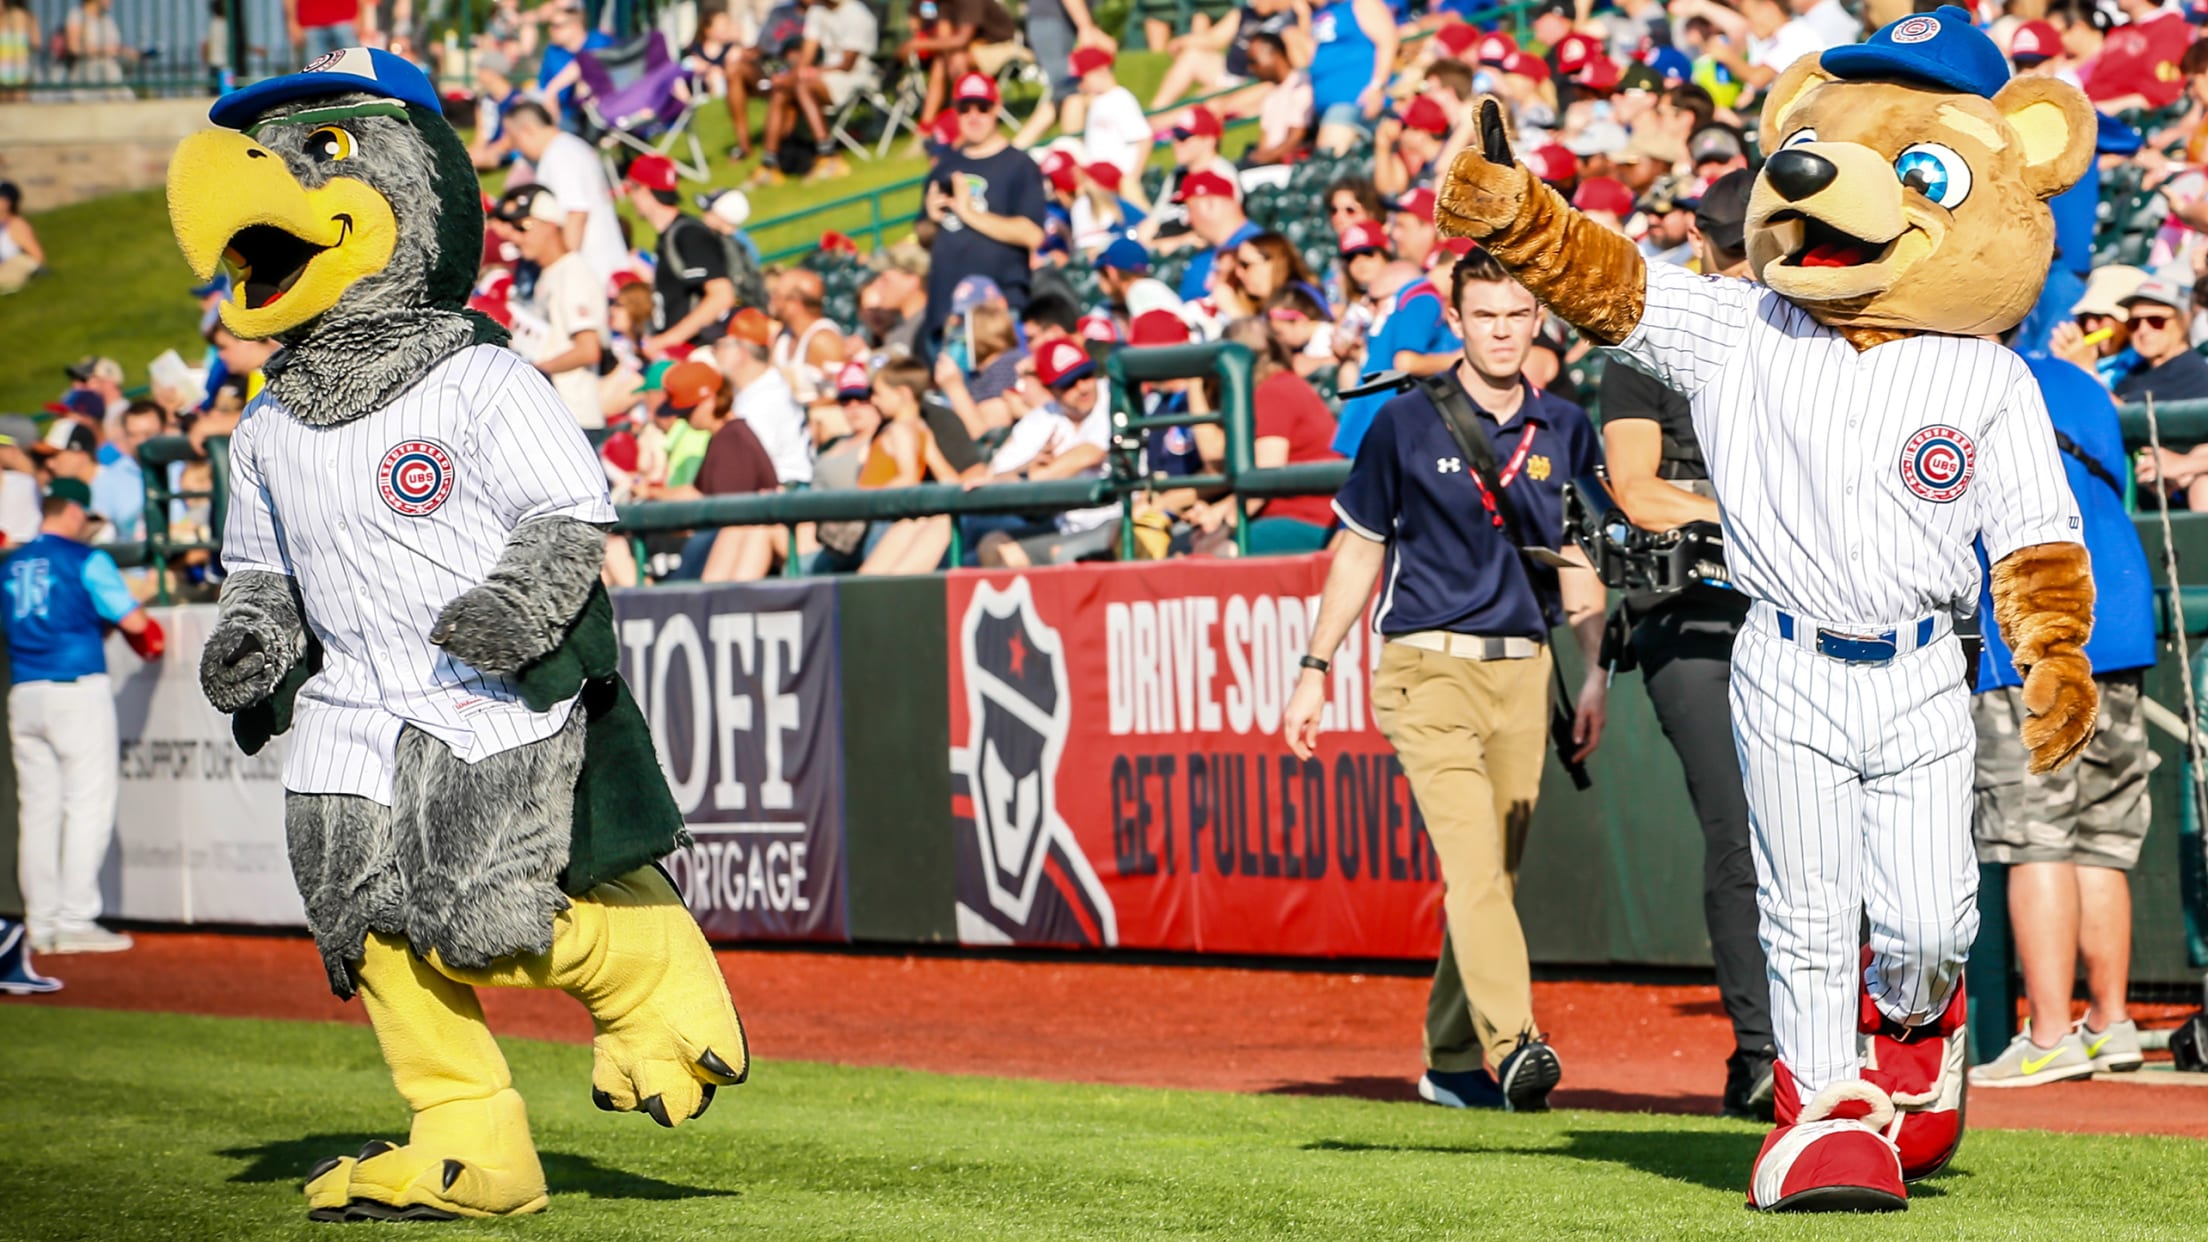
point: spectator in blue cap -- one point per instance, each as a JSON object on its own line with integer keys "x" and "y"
{"x": 1123, "y": 278}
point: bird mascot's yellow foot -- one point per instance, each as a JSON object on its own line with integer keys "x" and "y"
{"x": 668, "y": 1034}
{"x": 468, "y": 1153}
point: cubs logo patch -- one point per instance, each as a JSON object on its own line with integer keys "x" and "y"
{"x": 1937, "y": 463}
{"x": 415, "y": 478}
{"x": 1917, "y": 29}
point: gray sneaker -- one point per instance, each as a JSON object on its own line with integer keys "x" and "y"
{"x": 89, "y": 940}
{"x": 2115, "y": 1050}
{"x": 2026, "y": 1064}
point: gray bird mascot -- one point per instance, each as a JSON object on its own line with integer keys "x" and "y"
{"x": 413, "y": 546}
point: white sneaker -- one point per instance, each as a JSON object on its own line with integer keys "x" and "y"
{"x": 88, "y": 940}
{"x": 2115, "y": 1050}
{"x": 2026, "y": 1064}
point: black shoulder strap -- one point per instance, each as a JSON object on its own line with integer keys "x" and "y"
{"x": 2092, "y": 465}
{"x": 1463, "y": 421}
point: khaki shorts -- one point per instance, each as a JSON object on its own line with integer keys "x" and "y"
{"x": 2093, "y": 812}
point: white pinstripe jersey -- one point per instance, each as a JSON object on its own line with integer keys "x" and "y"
{"x": 383, "y": 521}
{"x": 1854, "y": 484}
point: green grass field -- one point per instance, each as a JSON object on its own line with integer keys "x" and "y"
{"x": 130, "y": 1126}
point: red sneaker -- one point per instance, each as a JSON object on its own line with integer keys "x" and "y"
{"x": 1832, "y": 1156}
{"x": 1925, "y": 1072}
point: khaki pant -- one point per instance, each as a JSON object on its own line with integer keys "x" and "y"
{"x": 1472, "y": 736}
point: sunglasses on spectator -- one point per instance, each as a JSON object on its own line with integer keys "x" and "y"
{"x": 976, "y": 105}
{"x": 2152, "y": 321}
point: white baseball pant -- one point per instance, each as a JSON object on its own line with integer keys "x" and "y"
{"x": 66, "y": 756}
{"x": 1859, "y": 800}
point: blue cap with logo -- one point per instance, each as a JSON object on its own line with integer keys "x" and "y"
{"x": 1125, "y": 254}
{"x": 1669, "y": 63}
{"x": 369, "y": 71}
{"x": 1940, "y": 48}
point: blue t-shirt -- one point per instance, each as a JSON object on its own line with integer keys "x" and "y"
{"x": 1196, "y": 279}
{"x": 2061, "y": 292}
{"x": 1448, "y": 567}
{"x": 1341, "y": 60}
{"x": 119, "y": 495}
{"x": 556, "y": 58}
{"x": 2123, "y": 589}
{"x": 61, "y": 595}
{"x": 1414, "y": 323}
{"x": 2076, "y": 211}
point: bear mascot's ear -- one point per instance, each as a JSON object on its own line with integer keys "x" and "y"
{"x": 1787, "y": 93}
{"x": 2058, "y": 129}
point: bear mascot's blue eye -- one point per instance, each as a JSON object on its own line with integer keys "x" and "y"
{"x": 1936, "y": 172}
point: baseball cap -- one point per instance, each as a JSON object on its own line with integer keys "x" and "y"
{"x": 972, "y": 292}
{"x": 95, "y": 366}
{"x": 1364, "y": 237}
{"x": 1097, "y": 326}
{"x": 690, "y": 384}
{"x": 1573, "y": 51}
{"x": 1448, "y": 250}
{"x": 1941, "y": 48}
{"x": 655, "y": 376}
{"x": 976, "y": 88}
{"x": 836, "y": 242}
{"x": 67, "y": 435}
{"x": 1087, "y": 60}
{"x": 1204, "y": 183}
{"x": 1456, "y": 38}
{"x": 731, "y": 207}
{"x": 2161, "y": 290}
{"x": 1669, "y": 192}
{"x": 1158, "y": 327}
{"x": 529, "y": 202}
{"x": 1598, "y": 138}
{"x": 1721, "y": 214}
{"x": 1419, "y": 202}
{"x": 1061, "y": 363}
{"x": 853, "y": 383}
{"x": 1552, "y": 163}
{"x": 1552, "y": 8}
{"x": 2106, "y": 289}
{"x": 651, "y": 170}
{"x": 1426, "y": 115}
{"x": 75, "y": 491}
{"x": 1649, "y": 145}
{"x": 1635, "y": 76}
{"x": 2033, "y": 42}
{"x": 342, "y": 72}
{"x": 79, "y": 404}
{"x": 1604, "y": 194}
{"x": 1714, "y": 144}
{"x": 1198, "y": 121}
{"x": 1600, "y": 73}
{"x": 1059, "y": 170}
{"x": 1125, "y": 254}
{"x": 751, "y": 324}
{"x": 1496, "y": 48}
{"x": 1108, "y": 177}
{"x": 1669, "y": 63}
{"x": 1526, "y": 64}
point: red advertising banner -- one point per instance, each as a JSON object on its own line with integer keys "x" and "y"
{"x": 1119, "y": 775}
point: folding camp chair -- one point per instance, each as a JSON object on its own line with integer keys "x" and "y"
{"x": 639, "y": 97}
{"x": 893, "y": 98}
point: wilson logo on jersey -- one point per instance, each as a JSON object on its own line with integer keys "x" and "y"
{"x": 416, "y": 477}
{"x": 1937, "y": 463}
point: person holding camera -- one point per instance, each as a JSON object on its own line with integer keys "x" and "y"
{"x": 1454, "y": 479}
{"x": 1683, "y": 643}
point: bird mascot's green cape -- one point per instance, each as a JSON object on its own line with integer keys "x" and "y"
{"x": 471, "y": 794}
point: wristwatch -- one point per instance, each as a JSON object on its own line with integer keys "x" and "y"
{"x": 1315, "y": 664}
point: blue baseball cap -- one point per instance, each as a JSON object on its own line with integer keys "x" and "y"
{"x": 1669, "y": 62}
{"x": 366, "y": 70}
{"x": 2114, "y": 137}
{"x": 1940, "y": 48}
{"x": 1125, "y": 254}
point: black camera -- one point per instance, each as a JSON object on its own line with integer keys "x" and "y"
{"x": 1642, "y": 561}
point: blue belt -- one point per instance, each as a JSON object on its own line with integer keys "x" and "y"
{"x": 1874, "y": 648}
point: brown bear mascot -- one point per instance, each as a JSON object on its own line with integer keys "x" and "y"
{"x": 1864, "y": 431}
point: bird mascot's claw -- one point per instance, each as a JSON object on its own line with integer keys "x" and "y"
{"x": 329, "y": 1188}
{"x": 500, "y": 1175}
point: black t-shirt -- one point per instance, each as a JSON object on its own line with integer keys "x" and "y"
{"x": 2181, "y": 378}
{"x": 1629, "y": 394}
{"x": 690, "y": 254}
{"x": 1008, "y": 183}
{"x": 1253, "y": 22}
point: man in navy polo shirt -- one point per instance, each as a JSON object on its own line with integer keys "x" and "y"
{"x": 1462, "y": 690}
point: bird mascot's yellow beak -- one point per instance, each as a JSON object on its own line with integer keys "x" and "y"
{"x": 290, "y": 252}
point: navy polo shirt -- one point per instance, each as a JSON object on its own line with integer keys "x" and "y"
{"x": 1448, "y": 567}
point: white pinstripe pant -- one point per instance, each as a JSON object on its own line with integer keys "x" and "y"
{"x": 1859, "y": 799}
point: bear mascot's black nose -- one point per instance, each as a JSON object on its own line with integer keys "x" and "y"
{"x": 1797, "y": 174}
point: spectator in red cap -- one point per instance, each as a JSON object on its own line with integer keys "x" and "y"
{"x": 1214, "y": 56}
{"x": 1457, "y": 39}
{"x": 1214, "y": 205}
{"x": 1524, "y": 84}
{"x": 1194, "y": 137}
{"x": 1063, "y": 435}
{"x": 988, "y": 203}
{"x": 693, "y": 294}
{"x": 1496, "y": 49}
{"x": 2138, "y": 62}
{"x": 1411, "y": 227}
{"x": 967, "y": 37}
{"x": 2035, "y": 48}
{"x": 1404, "y": 150}
{"x": 1055, "y": 28}
{"x": 1353, "y": 56}
{"x": 1102, "y": 213}
{"x": 1114, "y": 130}
{"x": 1408, "y": 329}
{"x": 1606, "y": 200}
{"x": 1554, "y": 164}
{"x": 1284, "y": 104}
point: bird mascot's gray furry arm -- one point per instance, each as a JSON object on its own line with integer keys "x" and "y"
{"x": 413, "y": 548}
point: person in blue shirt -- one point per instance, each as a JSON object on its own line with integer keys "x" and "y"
{"x": 567, "y": 34}
{"x": 1410, "y": 329}
{"x": 119, "y": 486}
{"x": 61, "y": 597}
{"x": 1215, "y": 214}
{"x": 2069, "y": 838}
{"x": 1463, "y": 686}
